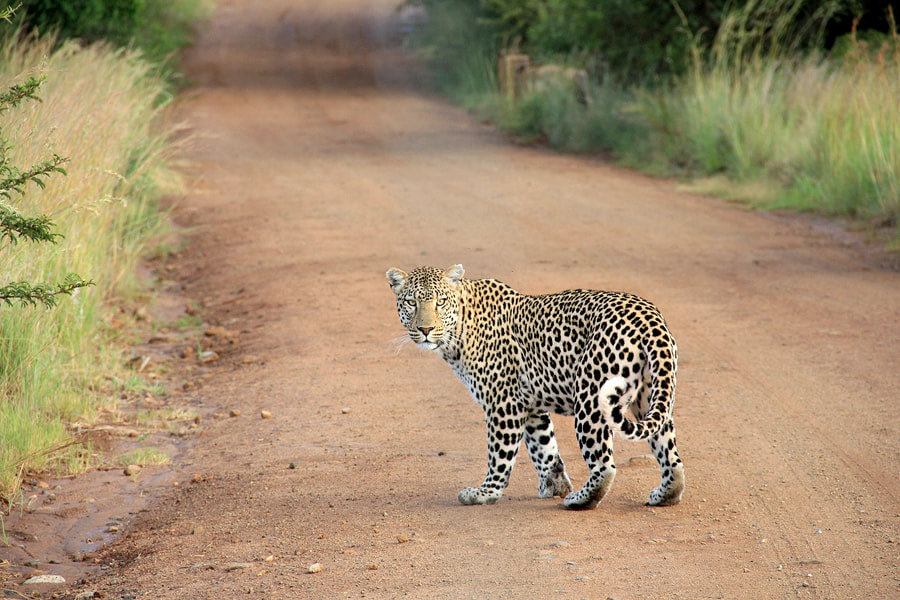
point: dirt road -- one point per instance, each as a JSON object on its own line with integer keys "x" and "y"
{"x": 319, "y": 163}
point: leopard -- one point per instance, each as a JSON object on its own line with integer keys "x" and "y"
{"x": 606, "y": 358}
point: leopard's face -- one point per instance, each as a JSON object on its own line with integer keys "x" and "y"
{"x": 428, "y": 303}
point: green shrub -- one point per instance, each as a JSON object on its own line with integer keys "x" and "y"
{"x": 630, "y": 39}
{"x": 558, "y": 117}
{"x": 93, "y": 20}
{"x": 157, "y": 27}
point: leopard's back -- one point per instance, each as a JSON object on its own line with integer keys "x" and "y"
{"x": 550, "y": 343}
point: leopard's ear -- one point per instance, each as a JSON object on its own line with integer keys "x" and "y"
{"x": 454, "y": 274}
{"x": 396, "y": 278}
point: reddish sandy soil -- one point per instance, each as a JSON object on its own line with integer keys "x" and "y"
{"x": 317, "y": 163}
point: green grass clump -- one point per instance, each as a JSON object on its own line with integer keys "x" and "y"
{"x": 568, "y": 121}
{"x": 100, "y": 109}
{"x": 144, "y": 457}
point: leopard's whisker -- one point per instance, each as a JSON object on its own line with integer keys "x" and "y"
{"x": 398, "y": 342}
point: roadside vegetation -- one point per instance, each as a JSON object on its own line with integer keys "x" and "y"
{"x": 155, "y": 28}
{"x": 101, "y": 107}
{"x": 781, "y": 103}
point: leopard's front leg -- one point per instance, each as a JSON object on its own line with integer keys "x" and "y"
{"x": 541, "y": 443}
{"x": 505, "y": 426}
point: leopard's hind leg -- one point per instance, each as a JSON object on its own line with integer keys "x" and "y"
{"x": 595, "y": 438}
{"x": 671, "y": 486}
{"x": 663, "y": 446}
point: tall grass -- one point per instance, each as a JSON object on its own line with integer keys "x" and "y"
{"x": 854, "y": 165}
{"x": 102, "y": 110}
{"x": 824, "y": 130}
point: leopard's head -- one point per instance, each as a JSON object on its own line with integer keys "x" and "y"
{"x": 428, "y": 303}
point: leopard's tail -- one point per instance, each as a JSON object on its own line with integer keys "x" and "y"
{"x": 615, "y": 397}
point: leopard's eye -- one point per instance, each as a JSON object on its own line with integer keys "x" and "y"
{"x": 441, "y": 301}
{"x": 410, "y": 302}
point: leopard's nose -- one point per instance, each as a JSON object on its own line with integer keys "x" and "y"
{"x": 426, "y": 330}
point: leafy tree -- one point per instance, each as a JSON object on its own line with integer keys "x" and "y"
{"x": 14, "y": 226}
{"x": 157, "y": 27}
{"x": 112, "y": 20}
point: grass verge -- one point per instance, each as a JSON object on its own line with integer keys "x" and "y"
{"x": 102, "y": 109}
{"x": 753, "y": 119}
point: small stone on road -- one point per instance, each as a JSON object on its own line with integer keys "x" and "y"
{"x": 37, "y": 579}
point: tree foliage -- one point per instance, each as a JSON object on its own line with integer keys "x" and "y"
{"x": 113, "y": 20}
{"x": 13, "y": 225}
{"x": 41, "y": 293}
{"x": 157, "y": 27}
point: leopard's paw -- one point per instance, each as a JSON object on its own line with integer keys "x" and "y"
{"x": 669, "y": 492}
{"x": 558, "y": 484}
{"x": 479, "y": 495}
{"x": 594, "y": 490}
{"x": 581, "y": 500}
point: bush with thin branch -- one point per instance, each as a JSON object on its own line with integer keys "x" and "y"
{"x": 14, "y": 226}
